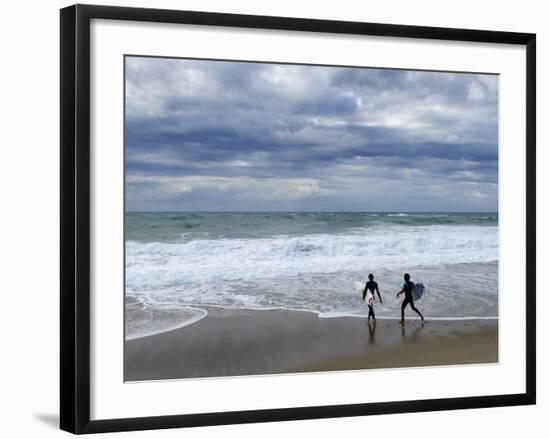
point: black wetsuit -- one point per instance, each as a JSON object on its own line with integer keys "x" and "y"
{"x": 408, "y": 287}
{"x": 372, "y": 286}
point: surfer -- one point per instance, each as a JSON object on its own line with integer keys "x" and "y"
{"x": 371, "y": 286}
{"x": 408, "y": 290}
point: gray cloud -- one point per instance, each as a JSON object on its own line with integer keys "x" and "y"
{"x": 207, "y": 135}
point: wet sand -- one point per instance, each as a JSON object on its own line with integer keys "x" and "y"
{"x": 245, "y": 342}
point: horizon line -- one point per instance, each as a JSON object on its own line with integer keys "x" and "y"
{"x": 311, "y": 211}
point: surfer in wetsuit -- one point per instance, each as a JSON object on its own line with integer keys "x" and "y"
{"x": 371, "y": 286}
{"x": 408, "y": 289}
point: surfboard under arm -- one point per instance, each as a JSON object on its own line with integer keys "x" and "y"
{"x": 418, "y": 290}
{"x": 360, "y": 287}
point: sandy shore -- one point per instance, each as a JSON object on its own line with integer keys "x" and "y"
{"x": 242, "y": 342}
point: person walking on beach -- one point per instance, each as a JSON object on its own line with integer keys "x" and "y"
{"x": 408, "y": 289}
{"x": 371, "y": 286}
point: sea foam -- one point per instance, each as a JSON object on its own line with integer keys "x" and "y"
{"x": 166, "y": 265}
{"x": 169, "y": 283}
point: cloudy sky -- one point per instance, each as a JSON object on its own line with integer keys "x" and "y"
{"x": 236, "y": 136}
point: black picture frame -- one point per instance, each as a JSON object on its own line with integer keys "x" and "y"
{"x": 75, "y": 217}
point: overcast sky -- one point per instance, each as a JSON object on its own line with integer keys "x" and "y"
{"x": 236, "y": 136}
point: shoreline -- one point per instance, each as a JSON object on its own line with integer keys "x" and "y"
{"x": 327, "y": 315}
{"x": 327, "y": 296}
{"x": 236, "y": 342}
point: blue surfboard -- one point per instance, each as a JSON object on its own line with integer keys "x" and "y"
{"x": 418, "y": 290}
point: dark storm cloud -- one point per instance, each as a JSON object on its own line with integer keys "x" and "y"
{"x": 226, "y": 136}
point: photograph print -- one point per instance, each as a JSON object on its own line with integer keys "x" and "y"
{"x": 292, "y": 218}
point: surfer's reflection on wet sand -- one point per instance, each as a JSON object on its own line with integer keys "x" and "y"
{"x": 372, "y": 331}
{"x": 413, "y": 334}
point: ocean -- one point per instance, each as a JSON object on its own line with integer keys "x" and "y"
{"x": 180, "y": 263}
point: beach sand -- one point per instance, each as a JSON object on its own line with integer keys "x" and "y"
{"x": 246, "y": 342}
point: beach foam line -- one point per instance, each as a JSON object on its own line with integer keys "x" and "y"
{"x": 322, "y": 315}
{"x": 202, "y": 314}
{"x": 336, "y": 314}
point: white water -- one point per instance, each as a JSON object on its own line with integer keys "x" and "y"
{"x": 312, "y": 273}
{"x": 153, "y": 266}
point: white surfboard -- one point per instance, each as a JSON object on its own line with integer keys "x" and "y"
{"x": 360, "y": 287}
